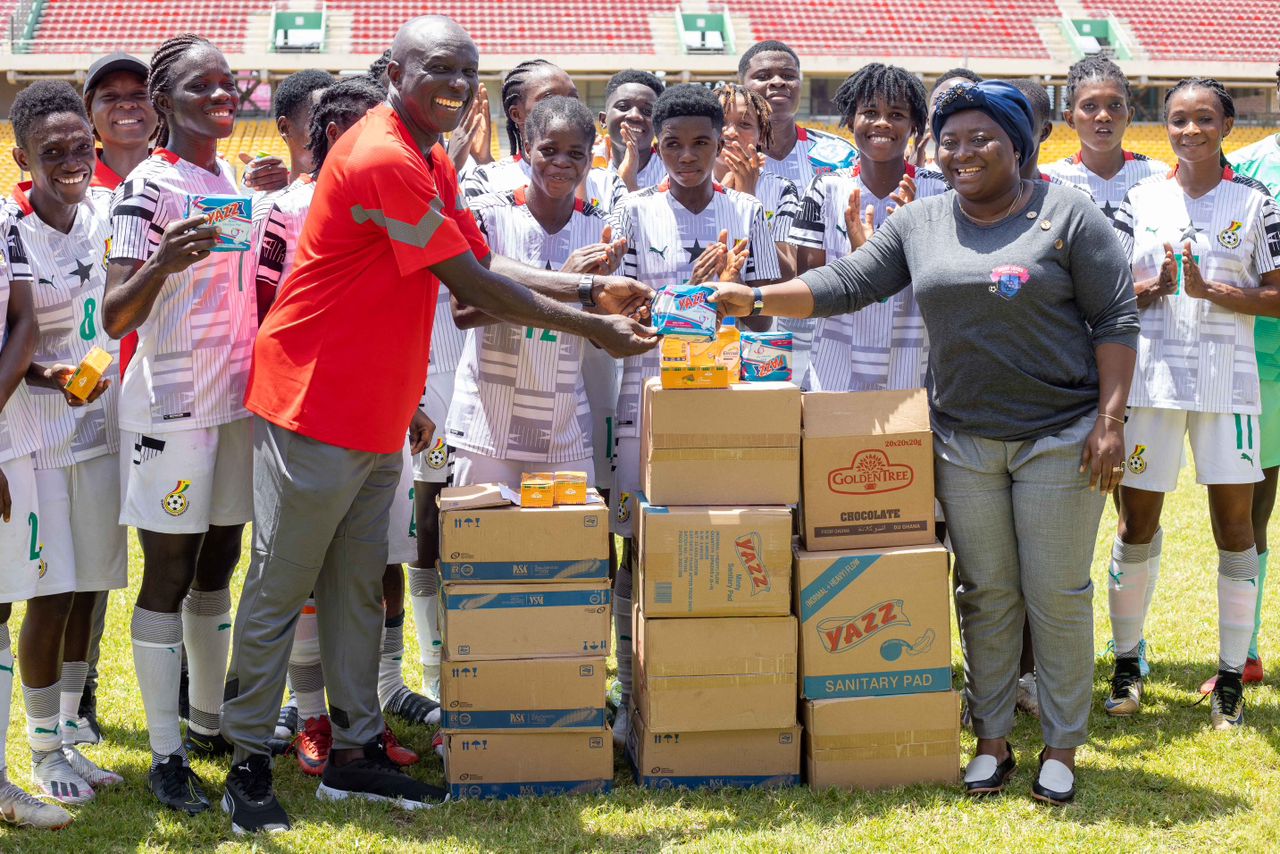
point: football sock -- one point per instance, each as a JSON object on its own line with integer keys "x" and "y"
{"x": 1237, "y": 600}
{"x": 390, "y": 675}
{"x": 306, "y": 676}
{"x": 70, "y": 689}
{"x": 157, "y": 644}
{"x": 1127, "y": 585}
{"x": 206, "y": 629}
{"x": 1257, "y": 611}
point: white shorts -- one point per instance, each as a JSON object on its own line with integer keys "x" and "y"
{"x": 185, "y": 481}
{"x": 21, "y": 562}
{"x": 402, "y": 533}
{"x": 432, "y": 465}
{"x": 84, "y": 541}
{"x": 602, "y": 376}
{"x": 1226, "y": 447}
{"x": 626, "y": 483}
{"x": 470, "y": 469}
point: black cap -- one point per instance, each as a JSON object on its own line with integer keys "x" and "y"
{"x": 112, "y": 63}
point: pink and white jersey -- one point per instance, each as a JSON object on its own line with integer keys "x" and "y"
{"x": 664, "y": 238}
{"x": 881, "y": 347}
{"x": 519, "y": 393}
{"x": 70, "y": 273}
{"x": 1107, "y": 193}
{"x": 19, "y": 431}
{"x": 279, "y": 226}
{"x": 194, "y": 348}
{"x": 1193, "y": 354}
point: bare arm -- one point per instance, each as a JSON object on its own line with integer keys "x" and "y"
{"x": 1103, "y": 454}
{"x": 1263, "y": 300}
{"x": 132, "y": 285}
{"x": 497, "y": 295}
{"x": 20, "y": 342}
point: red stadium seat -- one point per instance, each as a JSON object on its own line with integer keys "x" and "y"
{"x": 1242, "y": 31}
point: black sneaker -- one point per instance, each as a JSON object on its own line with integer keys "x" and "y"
{"x": 250, "y": 799}
{"x": 1226, "y": 707}
{"x": 207, "y": 746}
{"x": 178, "y": 787}
{"x": 1125, "y": 698}
{"x": 374, "y": 777}
{"x": 412, "y": 707}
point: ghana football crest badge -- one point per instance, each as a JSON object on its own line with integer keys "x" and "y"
{"x": 437, "y": 455}
{"x": 1137, "y": 463}
{"x": 1230, "y": 236}
{"x": 175, "y": 503}
{"x": 624, "y": 507}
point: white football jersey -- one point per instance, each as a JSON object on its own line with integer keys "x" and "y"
{"x": 279, "y": 227}
{"x": 884, "y": 346}
{"x": 70, "y": 275}
{"x": 605, "y": 189}
{"x": 663, "y": 240}
{"x": 194, "y": 349}
{"x": 508, "y": 173}
{"x": 1193, "y": 354}
{"x": 518, "y": 392}
{"x": 20, "y": 433}
{"x": 1107, "y": 193}
{"x": 781, "y": 201}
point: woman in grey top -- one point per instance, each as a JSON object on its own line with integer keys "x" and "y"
{"x": 1028, "y": 301}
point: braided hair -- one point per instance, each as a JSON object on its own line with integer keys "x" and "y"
{"x": 343, "y": 103}
{"x": 378, "y": 68}
{"x": 558, "y": 108}
{"x": 1227, "y": 103}
{"x": 1095, "y": 69}
{"x": 730, "y": 92}
{"x": 951, "y": 74}
{"x": 513, "y": 91}
{"x": 160, "y": 79}
{"x": 889, "y": 83}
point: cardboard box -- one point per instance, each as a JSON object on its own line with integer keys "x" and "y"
{"x": 868, "y": 470}
{"x": 878, "y": 742}
{"x": 874, "y": 622}
{"x": 714, "y": 561}
{"x": 531, "y": 693}
{"x": 483, "y": 537}
{"x": 716, "y": 673}
{"x": 739, "y": 759}
{"x": 89, "y": 373}
{"x": 494, "y": 621}
{"x": 738, "y": 445}
{"x": 513, "y": 764}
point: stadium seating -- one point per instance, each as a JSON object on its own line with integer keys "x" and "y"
{"x": 77, "y": 26}
{"x": 1240, "y": 31}
{"x": 535, "y": 27}
{"x": 959, "y": 28}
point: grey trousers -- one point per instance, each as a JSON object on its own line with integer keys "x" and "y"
{"x": 1023, "y": 524}
{"x": 320, "y": 523}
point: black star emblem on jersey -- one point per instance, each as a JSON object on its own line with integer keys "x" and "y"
{"x": 1190, "y": 232}
{"x": 695, "y": 250}
{"x": 1110, "y": 210}
{"x": 81, "y": 271}
{"x": 548, "y": 265}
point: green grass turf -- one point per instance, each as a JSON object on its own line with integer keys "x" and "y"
{"x": 1163, "y": 780}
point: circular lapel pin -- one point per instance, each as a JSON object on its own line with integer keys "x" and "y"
{"x": 1045, "y": 225}
{"x": 1031, "y": 214}
{"x": 1057, "y": 244}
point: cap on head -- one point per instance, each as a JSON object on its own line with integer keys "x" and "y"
{"x": 107, "y": 65}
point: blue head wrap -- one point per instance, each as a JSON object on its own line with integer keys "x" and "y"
{"x": 1005, "y": 105}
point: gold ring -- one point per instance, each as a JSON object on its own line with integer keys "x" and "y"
{"x": 1117, "y": 468}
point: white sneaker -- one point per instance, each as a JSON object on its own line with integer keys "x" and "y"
{"x": 431, "y": 681}
{"x": 1028, "y": 701}
{"x": 622, "y": 723}
{"x": 56, "y": 779}
{"x": 81, "y": 731}
{"x": 88, "y": 769}
{"x": 20, "y": 808}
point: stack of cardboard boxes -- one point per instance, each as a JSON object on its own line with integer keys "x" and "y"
{"x": 873, "y": 597}
{"x": 525, "y": 623}
{"x": 715, "y": 641}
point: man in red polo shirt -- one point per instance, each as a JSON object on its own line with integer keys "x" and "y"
{"x": 339, "y": 365}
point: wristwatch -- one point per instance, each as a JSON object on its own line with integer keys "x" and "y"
{"x": 757, "y": 301}
{"x": 585, "y": 285}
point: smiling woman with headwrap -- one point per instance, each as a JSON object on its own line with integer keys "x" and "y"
{"x": 1028, "y": 302}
